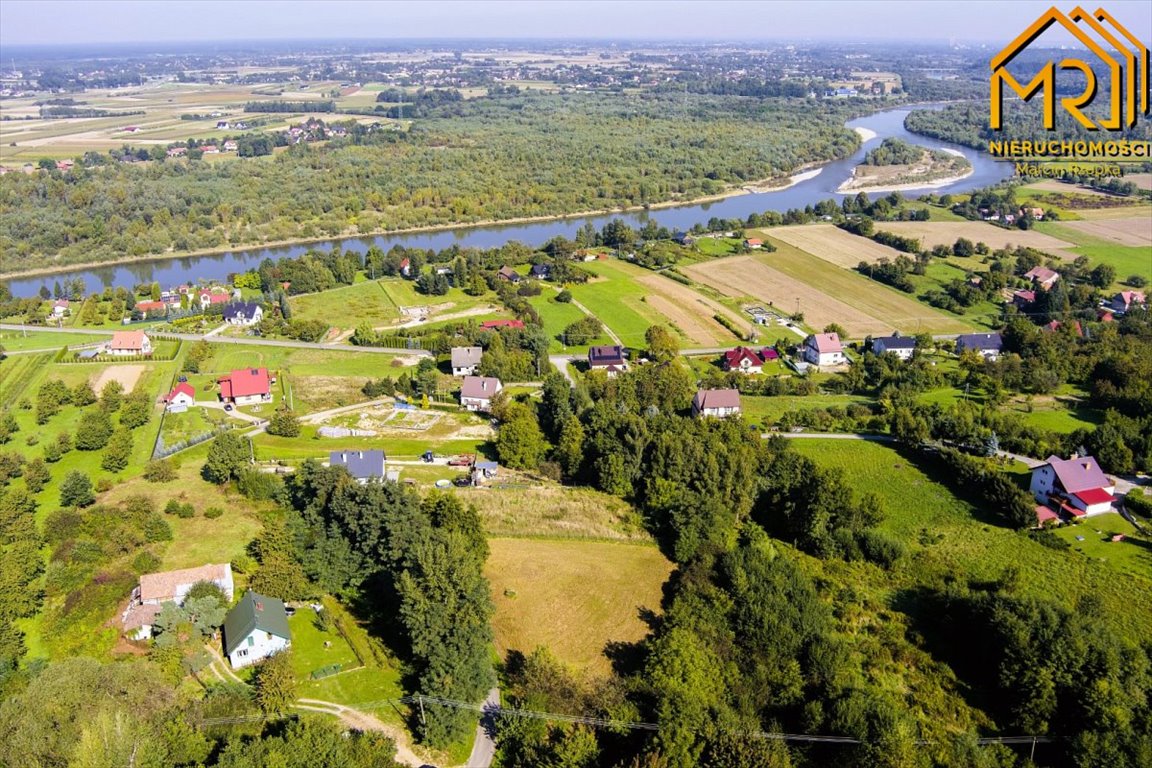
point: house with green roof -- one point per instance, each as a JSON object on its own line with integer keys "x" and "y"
{"x": 254, "y": 629}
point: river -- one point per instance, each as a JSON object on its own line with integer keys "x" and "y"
{"x": 217, "y": 267}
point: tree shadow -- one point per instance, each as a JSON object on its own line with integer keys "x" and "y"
{"x": 934, "y": 467}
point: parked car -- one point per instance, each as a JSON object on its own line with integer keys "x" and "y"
{"x": 228, "y": 406}
{"x": 427, "y": 457}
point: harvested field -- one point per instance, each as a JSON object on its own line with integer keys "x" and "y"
{"x": 833, "y": 244}
{"x": 866, "y": 307}
{"x": 689, "y": 311}
{"x": 575, "y": 597}
{"x": 555, "y": 512}
{"x": 1134, "y": 230}
{"x": 1142, "y": 180}
{"x": 932, "y": 233}
{"x": 127, "y": 375}
{"x": 1052, "y": 185}
{"x": 316, "y": 393}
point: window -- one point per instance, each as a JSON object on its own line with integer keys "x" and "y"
{"x": 251, "y": 641}
{"x": 242, "y": 653}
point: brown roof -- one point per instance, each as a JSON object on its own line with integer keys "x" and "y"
{"x": 717, "y": 398}
{"x": 480, "y": 387}
{"x": 141, "y": 615}
{"x": 128, "y": 340}
{"x": 163, "y": 586}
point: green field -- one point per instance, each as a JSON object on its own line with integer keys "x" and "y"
{"x": 347, "y": 307}
{"x": 556, "y": 316}
{"x": 764, "y": 410}
{"x": 947, "y": 535}
{"x": 1128, "y": 260}
{"x": 13, "y": 341}
{"x": 617, "y": 300}
{"x": 572, "y": 596}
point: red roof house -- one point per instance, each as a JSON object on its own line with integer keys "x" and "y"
{"x": 1076, "y": 484}
{"x": 1042, "y": 277}
{"x": 743, "y": 360}
{"x": 491, "y": 324}
{"x": 180, "y": 398}
{"x": 249, "y": 385}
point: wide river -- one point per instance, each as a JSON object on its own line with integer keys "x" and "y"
{"x": 172, "y": 271}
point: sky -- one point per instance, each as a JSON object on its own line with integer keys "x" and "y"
{"x": 36, "y": 22}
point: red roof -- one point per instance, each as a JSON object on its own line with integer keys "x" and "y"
{"x": 502, "y": 324}
{"x": 1095, "y": 496}
{"x": 1044, "y": 514}
{"x": 181, "y": 388}
{"x": 825, "y": 343}
{"x": 1074, "y": 511}
{"x": 1078, "y": 474}
{"x": 734, "y": 357}
{"x": 770, "y": 353}
{"x": 133, "y": 340}
{"x": 148, "y": 306}
{"x": 244, "y": 383}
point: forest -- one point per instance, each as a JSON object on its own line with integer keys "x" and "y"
{"x": 480, "y": 162}
{"x": 967, "y": 124}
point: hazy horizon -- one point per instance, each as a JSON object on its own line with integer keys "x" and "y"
{"x": 140, "y": 22}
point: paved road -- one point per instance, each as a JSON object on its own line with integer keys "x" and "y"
{"x": 831, "y": 436}
{"x": 228, "y": 340}
{"x": 484, "y": 748}
{"x": 560, "y": 362}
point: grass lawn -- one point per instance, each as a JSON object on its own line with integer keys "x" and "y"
{"x": 553, "y": 511}
{"x": 617, "y": 299}
{"x": 313, "y": 648}
{"x": 556, "y": 316}
{"x": 1132, "y": 556}
{"x": 1128, "y": 260}
{"x": 575, "y": 597}
{"x": 195, "y": 421}
{"x": 718, "y": 246}
{"x": 13, "y": 341}
{"x": 767, "y": 410}
{"x": 348, "y": 306}
{"x": 935, "y": 212}
{"x": 949, "y": 536}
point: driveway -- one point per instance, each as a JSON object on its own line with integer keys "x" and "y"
{"x": 484, "y": 748}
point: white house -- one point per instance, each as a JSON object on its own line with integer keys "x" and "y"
{"x": 716, "y": 403}
{"x": 246, "y": 386}
{"x": 130, "y": 343}
{"x": 476, "y": 392}
{"x": 465, "y": 360}
{"x": 987, "y": 345}
{"x": 901, "y": 346}
{"x": 1076, "y": 486}
{"x": 254, "y": 629}
{"x": 824, "y": 349}
{"x": 156, "y": 589}
{"x": 243, "y": 313}
{"x": 60, "y": 308}
{"x": 181, "y": 398}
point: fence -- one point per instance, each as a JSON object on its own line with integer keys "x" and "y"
{"x": 161, "y": 450}
{"x": 325, "y": 671}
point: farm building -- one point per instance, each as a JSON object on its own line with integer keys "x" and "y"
{"x": 608, "y": 357}
{"x": 181, "y": 398}
{"x": 742, "y": 360}
{"x": 246, "y": 386}
{"x": 1077, "y": 486}
{"x": 716, "y": 403}
{"x": 130, "y": 343}
{"x": 254, "y": 629}
{"x": 243, "y": 313}
{"x": 901, "y": 346}
{"x": 824, "y": 349}
{"x": 1023, "y": 299}
{"x": 362, "y": 465}
{"x": 753, "y": 242}
{"x": 465, "y": 360}
{"x": 156, "y": 589}
{"x": 988, "y": 345}
{"x": 476, "y": 392}
{"x": 509, "y": 274}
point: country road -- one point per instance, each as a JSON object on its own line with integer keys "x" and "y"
{"x": 830, "y": 436}
{"x": 484, "y": 748}
{"x": 229, "y": 340}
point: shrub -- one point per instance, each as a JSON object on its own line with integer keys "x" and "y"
{"x": 1048, "y": 539}
{"x": 243, "y": 564}
{"x": 564, "y": 297}
{"x": 76, "y": 490}
{"x": 880, "y": 548}
{"x": 284, "y": 424}
{"x": 32, "y": 440}
{"x": 159, "y": 471}
{"x": 104, "y": 484}
{"x": 1136, "y": 502}
{"x": 145, "y": 562}
{"x": 179, "y": 508}
{"x": 213, "y": 512}
{"x": 259, "y": 486}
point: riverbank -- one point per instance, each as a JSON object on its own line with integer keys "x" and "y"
{"x": 763, "y": 186}
{"x": 846, "y": 187}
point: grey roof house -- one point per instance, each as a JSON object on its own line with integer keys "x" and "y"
{"x": 986, "y": 344}
{"x": 465, "y": 360}
{"x": 362, "y": 465}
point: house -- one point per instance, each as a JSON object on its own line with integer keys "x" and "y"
{"x": 246, "y": 386}
{"x": 465, "y": 360}
{"x": 151, "y": 308}
{"x": 1044, "y": 514}
{"x": 768, "y": 354}
{"x": 509, "y": 274}
{"x": 824, "y": 349}
{"x": 1077, "y": 486}
{"x": 476, "y": 392}
{"x": 181, "y": 398}
{"x": 483, "y": 470}
{"x": 59, "y": 307}
{"x": 254, "y": 629}
{"x": 243, "y": 313}
{"x": 1056, "y": 325}
{"x": 901, "y": 346}
{"x": 987, "y": 345}
{"x": 608, "y": 357}
{"x": 64, "y": 165}
{"x": 208, "y": 298}
{"x": 362, "y": 465}
{"x": 742, "y": 360}
{"x": 177, "y": 151}
{"x": 210, "y": 149}
{"x": 716, "y": 403}
{"x": 753, "y": 242}
{"x": 491, "y": 325}
{"x": 156, "y": 589}
{"x": 231, "y": 146}
{"x": 683, "y": 238}
{"x": 541, "y": 271}
{"x": 1127, "y": 300}
{"x": 405, "y": 266}
{"x": 1023, "y": 299}
{"x": 130, "y": 343}
{"x": 1042, "y": 277}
